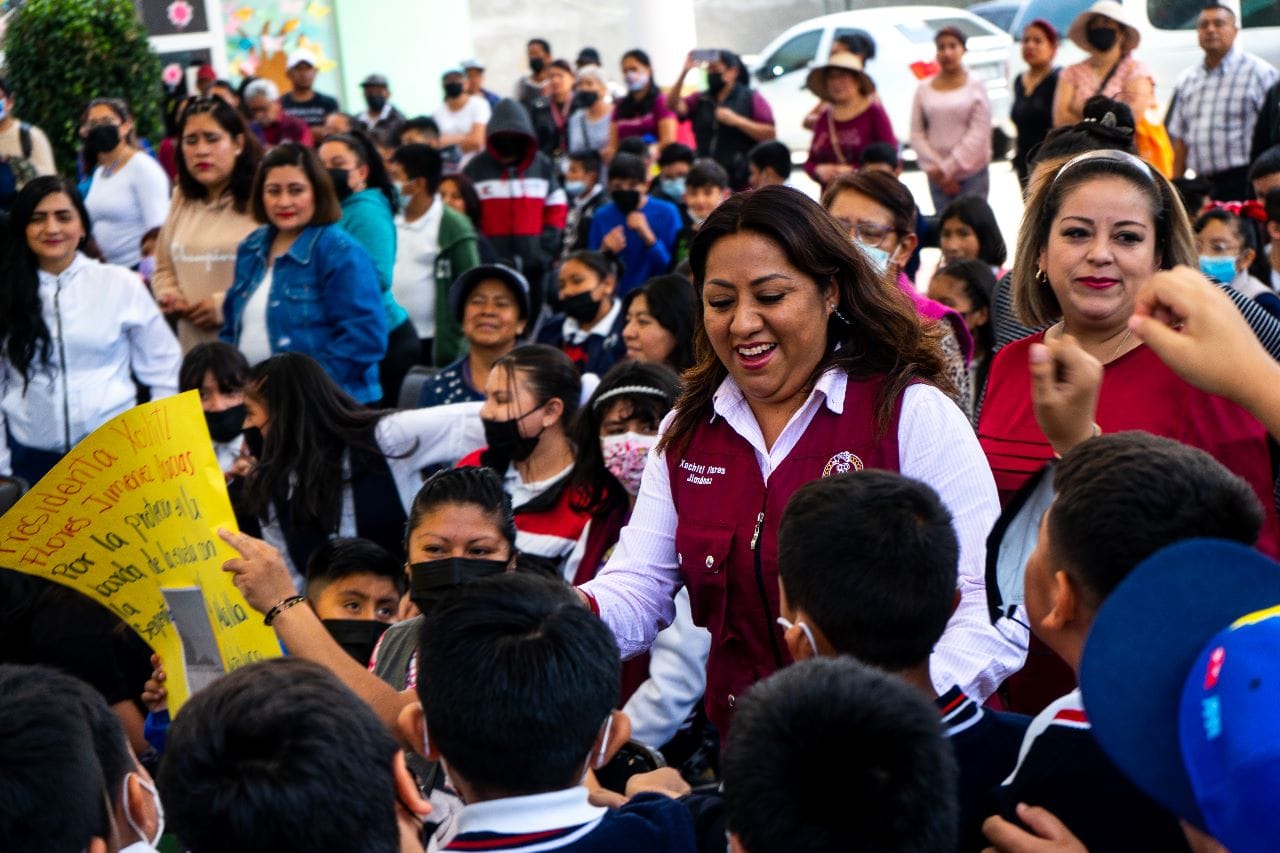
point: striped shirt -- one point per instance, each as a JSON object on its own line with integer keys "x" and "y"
{"x": 1216, "y": 109}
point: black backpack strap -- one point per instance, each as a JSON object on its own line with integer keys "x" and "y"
{"x": 24, "y": 139}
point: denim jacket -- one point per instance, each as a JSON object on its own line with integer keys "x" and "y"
{"x": 325, "y": 302}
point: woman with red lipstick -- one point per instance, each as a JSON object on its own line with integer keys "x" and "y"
{"x": 302, "y": 284}
{"x": 1098, "y": 227}
{"x": 808, "y": 365}
{"x": 208, "y": 218}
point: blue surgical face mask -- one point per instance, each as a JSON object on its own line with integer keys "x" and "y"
{"x": 673, "y": 187}
{"x": 575, "y": 188}
{"x": 1220, "y": 269}
{"x": 879, "y": 257}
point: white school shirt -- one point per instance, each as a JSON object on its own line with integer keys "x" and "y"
{"x": 936, "y": 445}
{"x": 413, "y": 281}
{"x": 103, "y": 323}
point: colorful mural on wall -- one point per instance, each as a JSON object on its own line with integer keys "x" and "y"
{"x": 262, "y": 33}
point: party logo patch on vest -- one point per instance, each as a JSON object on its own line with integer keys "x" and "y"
{"x": 842, "y": 463}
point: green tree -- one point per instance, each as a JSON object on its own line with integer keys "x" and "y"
{"x": 60, "y": 54}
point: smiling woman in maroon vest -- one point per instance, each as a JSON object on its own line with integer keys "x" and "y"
{"x": 808, "y": 366}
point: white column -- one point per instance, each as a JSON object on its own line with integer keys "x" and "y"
{"x": 666, "y": 31}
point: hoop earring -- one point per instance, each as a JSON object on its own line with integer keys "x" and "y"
{"x": 1041, "y": 278}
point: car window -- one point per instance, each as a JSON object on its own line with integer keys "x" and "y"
{"x": 1060, "y": 13}
{"x": 795, "y": 53}
{"x": 922, "y": 32}
{"x": 1261, "y": 13}
{"x": 1174, "y": 14}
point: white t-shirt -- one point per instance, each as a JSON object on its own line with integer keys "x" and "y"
{"x": 255, "y": 342}
{"x": 413, "y": 282}
{"x": 125, "y": 205}
{"x": 475, "y": 111}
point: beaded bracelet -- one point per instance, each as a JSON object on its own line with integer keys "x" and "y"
{"x": 280, "y": 608}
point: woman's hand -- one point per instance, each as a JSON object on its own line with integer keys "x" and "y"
{"x": 171, "y": 304}
{"x": 260, "y": 573}
{"x": 204, "y": 314}
{"x": 154, "y": 693}
{"x": 1065, "y": 382}
{"x": 1197, "y": 330}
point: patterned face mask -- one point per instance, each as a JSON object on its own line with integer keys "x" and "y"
{"x": 625, "y": 455}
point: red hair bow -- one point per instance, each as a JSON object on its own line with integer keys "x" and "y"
{"x": 1251, "y": 209}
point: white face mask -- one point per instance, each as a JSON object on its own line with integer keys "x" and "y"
{"x": 879, "y": 257}
{"x": 155, "y": 799}
{"x": 625, "y": 456}
{"x": 636, "y": 81}
{"x": 787, "y": 625}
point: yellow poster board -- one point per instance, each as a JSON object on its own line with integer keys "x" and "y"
{"x": 129, "y": 518}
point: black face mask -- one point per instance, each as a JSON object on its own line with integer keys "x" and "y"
{"x": 254, "y": 441}
{"x": 504, "y": 439}
{"x": 375, "y": 102}
{"x": 582, "y": 307}
{"x": 537, "y": 64}
{"x": 1101, "y": 39}
{"x": 452, "y": 90}
{"x": 509, "y": 147}
{"x": 431, "y": 581}
{"x": 340, "y": 185}
{"x": 103, "y": 137}
{"x": 626, "y": 200}
{"x": 586, "y": 99}
{"x": 358, "y": 637}
{"x": 225, "y": 425}
{"x": 715, "y": 81}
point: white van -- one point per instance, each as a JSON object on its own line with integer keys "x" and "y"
{"x": 1168, "y": 27}
{"x": 903, "y": 37}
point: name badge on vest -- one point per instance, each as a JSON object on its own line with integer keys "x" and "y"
{"x": 842, "y": 463}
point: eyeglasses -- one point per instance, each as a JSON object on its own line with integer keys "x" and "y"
{"x": 867, "y": 233}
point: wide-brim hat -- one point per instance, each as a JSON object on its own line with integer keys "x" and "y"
{"x": 1107, "y": 9}
{"x": 816, "y": 82}
{"x": 1143, "y": 646}
{"x": 469, "y": 280}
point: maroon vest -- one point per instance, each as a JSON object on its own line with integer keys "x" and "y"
{"x": 727, "y": 525}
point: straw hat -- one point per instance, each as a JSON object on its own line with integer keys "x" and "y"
{"x": 816, "y": 82}
{"x": 1107, "y": 9}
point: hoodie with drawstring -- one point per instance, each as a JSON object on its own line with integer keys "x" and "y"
{"x": 522, "y": 204}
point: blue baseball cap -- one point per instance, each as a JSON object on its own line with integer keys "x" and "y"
{"x": 1229, "y": 725}
{"x": 1142, "y": 678}
{"x": 469, "y": 280}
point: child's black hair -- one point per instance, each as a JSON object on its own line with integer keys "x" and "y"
{"x": 229, "y": 367}
{"x": 872, "y": 558}
{"x": 772, "y": 155}
{"x": 706, "y": 173}
{"x": 978, "y": 215}
{"x": 549, "y": 673}
{"x": 342, "y": 557}
{"x": 833, "y": 719}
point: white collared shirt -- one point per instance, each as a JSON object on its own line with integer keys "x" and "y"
{"x": 413, "y": 280}
{"x": 936, "y": 445}
{"x": 533, "y": 813}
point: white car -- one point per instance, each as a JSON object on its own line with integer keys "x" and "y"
{"x": 903, "y": 37}
{"x": 1169, "y": 44}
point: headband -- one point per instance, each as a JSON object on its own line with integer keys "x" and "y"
{"x": 647, "y": 390}
{"x": 1139, "y": 165}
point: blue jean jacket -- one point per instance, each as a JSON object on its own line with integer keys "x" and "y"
{"x": 324, "y": 302}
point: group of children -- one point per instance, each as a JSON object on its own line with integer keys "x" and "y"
{"x": 1143, "y": 579}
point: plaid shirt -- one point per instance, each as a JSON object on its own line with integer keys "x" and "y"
{"x": 1216, "y": 109}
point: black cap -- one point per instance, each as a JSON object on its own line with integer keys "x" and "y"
{"x": 465, "y": 283}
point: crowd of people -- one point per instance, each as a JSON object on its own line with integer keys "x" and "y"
{"x": 607, "y": 492}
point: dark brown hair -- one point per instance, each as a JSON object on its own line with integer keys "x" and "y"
{"x": 882, "y": 188}
{"x": 882, "y": 335}
{"x": 242, "y": 173}
{"x": 328, "y": 209}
